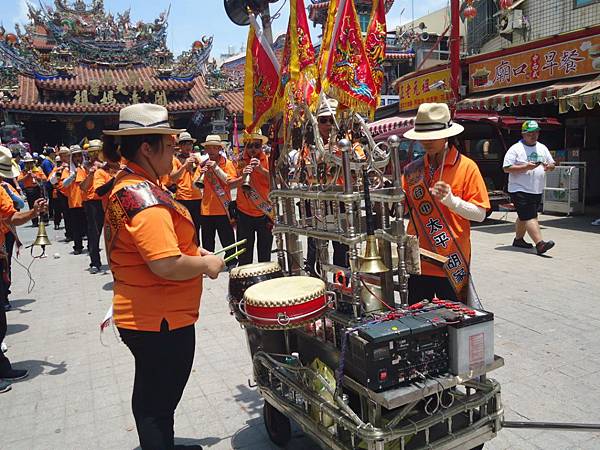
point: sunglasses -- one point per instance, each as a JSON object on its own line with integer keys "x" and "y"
{"x": 324, "y": 120}
{"x": 254, "y": 145}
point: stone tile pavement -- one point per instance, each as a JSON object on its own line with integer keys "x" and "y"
{"x": 78, "y": 393}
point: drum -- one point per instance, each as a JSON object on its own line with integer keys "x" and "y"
{"x": 242, "y": 277}
{"x": 285, "y": 303}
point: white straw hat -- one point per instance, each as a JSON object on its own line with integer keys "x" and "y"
{"x": 185, "y": 137}
{"x": 143, "y": 118}
{"x": 7, "y": 168}
{"x": 328, "y": 107}
{"x": 433, "y": 121}
{"x": 74, "y": 149}
{"x": 213, "y": 139}
{"x": 94, "y": 145}
{"x": 257, "y": 135}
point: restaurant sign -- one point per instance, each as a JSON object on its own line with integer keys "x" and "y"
{"x": 559, "y": 61}
{"x": 433, "y": 87}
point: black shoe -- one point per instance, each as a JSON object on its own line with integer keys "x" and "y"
{"x": 187, "y": 447}
{"x": 543, "y": 246}
{"x": 4, "y": 386}
{"x": 14, "y": 374}
{"x": 77, "y": 252}
{"x": 7, "y": 306}
{"x": 521, "y": 243}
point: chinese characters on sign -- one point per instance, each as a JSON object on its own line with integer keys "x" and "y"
{"x": 568, "y": 59}
{"x": 108, "y": 96}
{"x": 414, "y": 91}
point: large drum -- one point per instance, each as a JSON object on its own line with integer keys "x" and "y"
{"x": 285, "y": 303}
{"x": 242, "y": 277}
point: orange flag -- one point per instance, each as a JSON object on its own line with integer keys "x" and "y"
{"x": 375, "y": 44}
{"x": 348, "y": 76}
{"x": 261, "y": 79}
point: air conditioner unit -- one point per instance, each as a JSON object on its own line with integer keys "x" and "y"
{"x": 512, "y": 20}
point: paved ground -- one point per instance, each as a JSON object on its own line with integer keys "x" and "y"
{"x": 547, "y": 329}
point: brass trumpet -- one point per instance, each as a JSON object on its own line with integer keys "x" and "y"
{"x": 246, "y": 182}
{"x": 199, "y": 183}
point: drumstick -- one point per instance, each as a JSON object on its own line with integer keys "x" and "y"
{"x": 235, "y": 255}
{"x": 229, "y": 247}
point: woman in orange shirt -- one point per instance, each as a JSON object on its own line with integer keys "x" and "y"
{"x": 255, "y": 211}
{"x": 157, "y": 269}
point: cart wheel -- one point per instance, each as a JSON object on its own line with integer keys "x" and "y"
{"x": 278, "y": 426}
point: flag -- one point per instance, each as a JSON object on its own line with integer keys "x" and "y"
{"x": 298, "y": 78}
{"x": 327, "y": 33}
{"x": 375, "y": 43}
{"x": 261, "y": 79}
{"x": 348, "y": 75}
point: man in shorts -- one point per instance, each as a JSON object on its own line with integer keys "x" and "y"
{"x": 526, "y": 164}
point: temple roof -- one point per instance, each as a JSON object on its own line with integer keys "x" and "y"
{"x": 317, "y": 11}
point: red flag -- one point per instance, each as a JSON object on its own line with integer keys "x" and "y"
{"x": 261, "y": 81}
{"x": 348, "y": 76}
{"x": 375, "y": 44}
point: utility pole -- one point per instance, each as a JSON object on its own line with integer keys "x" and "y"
{"x": 455, "y": 51}
{"x": 265, "y": 17}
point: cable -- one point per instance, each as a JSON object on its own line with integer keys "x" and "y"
{"x": 31, "y": 284}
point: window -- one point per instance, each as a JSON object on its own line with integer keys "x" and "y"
{"x": 364, "y": 22}
{"x": 580, "y": 3}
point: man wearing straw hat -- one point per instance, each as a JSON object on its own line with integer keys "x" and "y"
{"x": 186, "y": 168}
{"x": 11, "y": 217}
{"x": 444, "y": 192}
{"x": 31, "y": 180}
{"x": 218, "y": 175}
{"x": 61, "y": 203}
{"x": 72, "y": 179}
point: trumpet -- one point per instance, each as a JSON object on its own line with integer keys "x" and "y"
{"x": 199, "y": 183}
{"x": 246, "y": 182}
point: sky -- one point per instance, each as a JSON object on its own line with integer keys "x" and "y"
{"x": 189, "y": 20}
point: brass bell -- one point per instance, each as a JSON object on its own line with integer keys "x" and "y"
{"x": 246, "y": 182}
{"x": 200, "y": 182}
{"x": 371, "y": 262}
{"x": 41, "y": 240}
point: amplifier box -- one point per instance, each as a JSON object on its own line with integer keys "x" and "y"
{"x": 386, "y": 354}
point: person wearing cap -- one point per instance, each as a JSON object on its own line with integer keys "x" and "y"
{"x": 218, "y": 174}
{"x": 526, "y": 164}
{"x": 255, "y": 211}
{"x": 444, "y": 193}
{"x": 31, "y": 181}
{"x": 10, "y": 233}
{"x": 92, "y": 204}
{"x": 61, "y": 203}
{"x": 72, "y": 178}
{"x": 186, "y": 169}
{"x": 157, "y": 268}
{"x": 11, "y": 217}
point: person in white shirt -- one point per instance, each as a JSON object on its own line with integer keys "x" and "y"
{"x": 526, "y": 164}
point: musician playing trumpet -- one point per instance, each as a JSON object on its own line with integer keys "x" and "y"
{"x": 72, "y": 177}
{"x": 31, "y": 179}
{"x": 218, "y": 174}
{"x": 186, "y": 167}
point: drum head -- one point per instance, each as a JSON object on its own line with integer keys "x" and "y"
{"x": 251, "y": 270}
{"x": 284, "y": 291}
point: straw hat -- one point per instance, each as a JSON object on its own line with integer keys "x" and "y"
{"x": 28, "y": 158}
{"x": 327, "y": 107}
{"x": 95, "y": 145}
{"x": 143, "y": 118}
{"x": 7, "y": 168}
{"x": 433, "y": 121}
{"x": 64, "y": 150}
{"x": 256, "y": 136}
{"x": 213, "y": 139}
{"x": 185, "y": 137}
{"x": 74, "y": 149}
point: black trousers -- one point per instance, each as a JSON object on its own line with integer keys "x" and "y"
{"x": 94, "y": 215}
{"x": 193, "y": 206}
{"x": 61, "y": 210}
{"x": 254, "y": 228}
{"x": 211, "y": 225}
{"x": 32, "y": 194}
{"x": 163, "y": 362}
{"x": 77, "y": 217}
{"x": 52, "y": 207}
{"x": 4, "y": 362}
{"x": 425, "y": 287}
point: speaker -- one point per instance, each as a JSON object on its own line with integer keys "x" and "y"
{"x": 237, "y": 10}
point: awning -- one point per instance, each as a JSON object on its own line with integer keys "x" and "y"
{"x": 391, "y": 123}
{"x": 588, "y": 96}
{"x": 522, "y": 96}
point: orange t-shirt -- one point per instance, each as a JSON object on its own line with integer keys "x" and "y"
{"x": 211, "y": 205}
{"x": 142, "y": 299}
{"x": 463, "y": 175}
{"x": 73, "y": 191}
{"x": 101, "y": 177}
{"x": 90, "y": 193}
{"x": 29, "y": 182}
{"x": 7, "y": 209}
{"x": 185, "y": 183}
{"x": 259, "y": 182}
